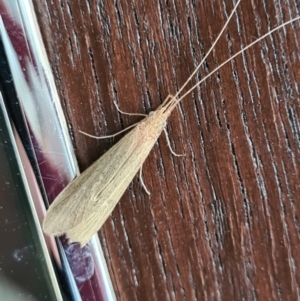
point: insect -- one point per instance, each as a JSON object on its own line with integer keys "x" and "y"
{"x": 83, "y": 207}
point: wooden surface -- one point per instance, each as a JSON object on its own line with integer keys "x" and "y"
{"x": 222, "y": 223}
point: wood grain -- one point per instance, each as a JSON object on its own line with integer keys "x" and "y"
{"x": 222, "y": 223}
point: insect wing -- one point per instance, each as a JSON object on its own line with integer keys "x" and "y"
{"x": 70, "y": 207}
{"x": 105, "y": 201}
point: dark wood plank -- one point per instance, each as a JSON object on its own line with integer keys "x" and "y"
{"x": 222, "y": 222}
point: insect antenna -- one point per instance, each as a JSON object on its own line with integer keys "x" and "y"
{"x": 176, "y": 100}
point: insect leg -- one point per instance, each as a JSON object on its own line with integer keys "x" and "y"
{"x": 169, "y": 145}
{"x": 142, "y": 181}
{"x": 109, "y": 136}
{"x": 130, "y": 114}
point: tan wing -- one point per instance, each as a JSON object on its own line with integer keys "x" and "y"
{"x": 82, "y": 208}
{"x": 69, "y": 208}
{"x": 106, "y": 200}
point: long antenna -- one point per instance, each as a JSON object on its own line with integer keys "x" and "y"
{"x": 210, "y": 49}
{"x": 235, "y": 55}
